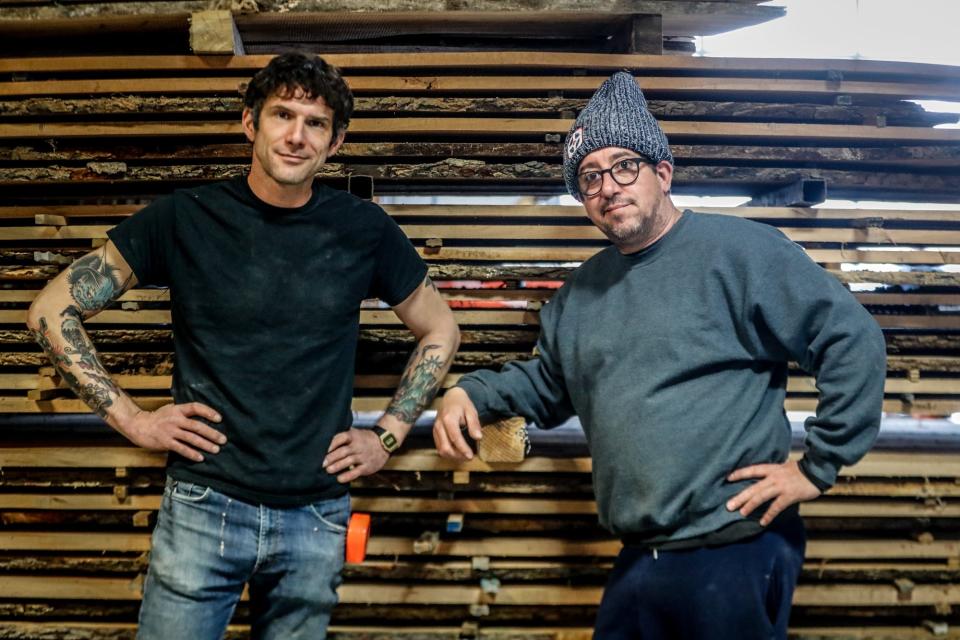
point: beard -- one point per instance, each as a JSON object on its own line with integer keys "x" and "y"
{"x": 625, "y": 232}
{"x": 637, "y": 229}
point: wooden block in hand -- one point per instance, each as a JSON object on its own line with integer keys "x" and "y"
{"x": 504, "y": 441}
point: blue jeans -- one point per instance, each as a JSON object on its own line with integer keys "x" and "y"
{"x": 207, "y": 546}
{"x": 737, "y": 591}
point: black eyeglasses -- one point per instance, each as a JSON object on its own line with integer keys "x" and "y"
{"x": 624, "y": 172}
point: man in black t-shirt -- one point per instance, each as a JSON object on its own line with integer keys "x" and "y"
{"x": 266, "y": 275}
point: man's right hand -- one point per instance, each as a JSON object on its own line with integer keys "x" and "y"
{"x": 456, "y": 414}
{"x": 172, "y": 428}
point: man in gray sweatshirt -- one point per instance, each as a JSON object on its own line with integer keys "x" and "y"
{"x": 672, "y": 346}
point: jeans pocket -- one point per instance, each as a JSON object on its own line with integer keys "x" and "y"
{"x": 189, "y": 492}
{"x": 333, "y": 514}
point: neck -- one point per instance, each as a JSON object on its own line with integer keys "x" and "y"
{"x": 288, "y": 196}
{"x": 666, "y": 216}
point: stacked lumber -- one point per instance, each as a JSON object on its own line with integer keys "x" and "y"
{"x": 481, "y": 550}
{"x": 268, "y": 26}
{"x": 519, "y": 250}
{"x": 135, "y": 126}
{"x": 477, "y": 550}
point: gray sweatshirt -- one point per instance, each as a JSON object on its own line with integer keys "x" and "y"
{"x": 675, "y": 360}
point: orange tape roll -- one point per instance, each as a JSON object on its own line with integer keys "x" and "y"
{"x": 358, "y": 533}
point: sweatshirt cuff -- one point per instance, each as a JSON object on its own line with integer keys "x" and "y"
{"x": 478, "y": 396}
{"x": 822, "y": 475}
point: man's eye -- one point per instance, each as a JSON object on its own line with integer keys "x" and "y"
{"x": 316, "y": 123}
{"x": 626, "y": 165}
{"x": 592, "y": 176}
{"x": 283, "y": 115}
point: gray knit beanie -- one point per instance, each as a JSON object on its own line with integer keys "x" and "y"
{"x": 616, "y": 116}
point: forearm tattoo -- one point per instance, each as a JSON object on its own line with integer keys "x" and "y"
{"x": 418, "y": 385}
{"x": 99, "y": 390}
{"x": 94, "y": 282}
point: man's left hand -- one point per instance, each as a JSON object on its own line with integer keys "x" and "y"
{"x": 355, "y": 453}
{"x": 784, "y": 484}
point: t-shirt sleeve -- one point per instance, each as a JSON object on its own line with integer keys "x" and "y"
{"x": 145, "y": 240}
{"x": 399, "y": 268}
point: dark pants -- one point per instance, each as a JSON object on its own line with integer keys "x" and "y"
{"x": 739, "y": 591}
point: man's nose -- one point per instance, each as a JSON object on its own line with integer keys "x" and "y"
{"x": 295, "y": 132}
{"x": 608, "y": 186}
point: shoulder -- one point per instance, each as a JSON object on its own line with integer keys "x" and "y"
{"x": 330, "y": 197}
{"x": 191, "y": 197}
{"x": 755, "y": 254}
{"x": 600, "y": 264}
{"x": 730, "y": 227}
{"x": 221, "y": 188}
{"x": 593, "y": 272}
{"x": 739, "y": 236}
{"x": 355, "y": 214}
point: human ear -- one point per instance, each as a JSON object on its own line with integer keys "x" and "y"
{"x": 336, "y": 143}
{"x": 664, "y": 171}
{"x": 249, "y": 124}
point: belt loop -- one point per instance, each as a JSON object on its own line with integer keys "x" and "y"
{"x": 656, "y": 556}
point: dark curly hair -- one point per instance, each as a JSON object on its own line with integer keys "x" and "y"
{"x": 291, "y": 71}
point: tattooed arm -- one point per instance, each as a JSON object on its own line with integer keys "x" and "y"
{"x": 56, "y": 318}
{"x": 358, "y": 452}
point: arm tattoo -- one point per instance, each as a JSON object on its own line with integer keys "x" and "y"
{"x": 94, "y": 282}
{"x": 430, "y": 283}
{"x": 99, "y": 390}
{"x": 418, "y": 385}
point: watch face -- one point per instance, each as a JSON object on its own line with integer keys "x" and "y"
{"x": 389, "y": 441}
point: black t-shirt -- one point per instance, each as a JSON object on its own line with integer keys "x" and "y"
{"x": 266, "y": 307}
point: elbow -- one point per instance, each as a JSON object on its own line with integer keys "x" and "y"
{"x": 42, "y": 309}
{"x": 449, "y": 336}
{"x": 438, "y": 327}
{"x": 453, "y": 333}
{"x": 454, "y": 338}
{"x": 35, "y": 314}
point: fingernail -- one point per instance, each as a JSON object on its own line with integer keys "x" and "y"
{"x": 222, "y": 439}
{"x": 217, "y": 417}
{"x": 324, "y": 463}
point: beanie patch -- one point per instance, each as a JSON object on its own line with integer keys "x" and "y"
{"x": 574, "y": 141}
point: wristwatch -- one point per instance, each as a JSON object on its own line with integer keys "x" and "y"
{"x": 388, "y": 441}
